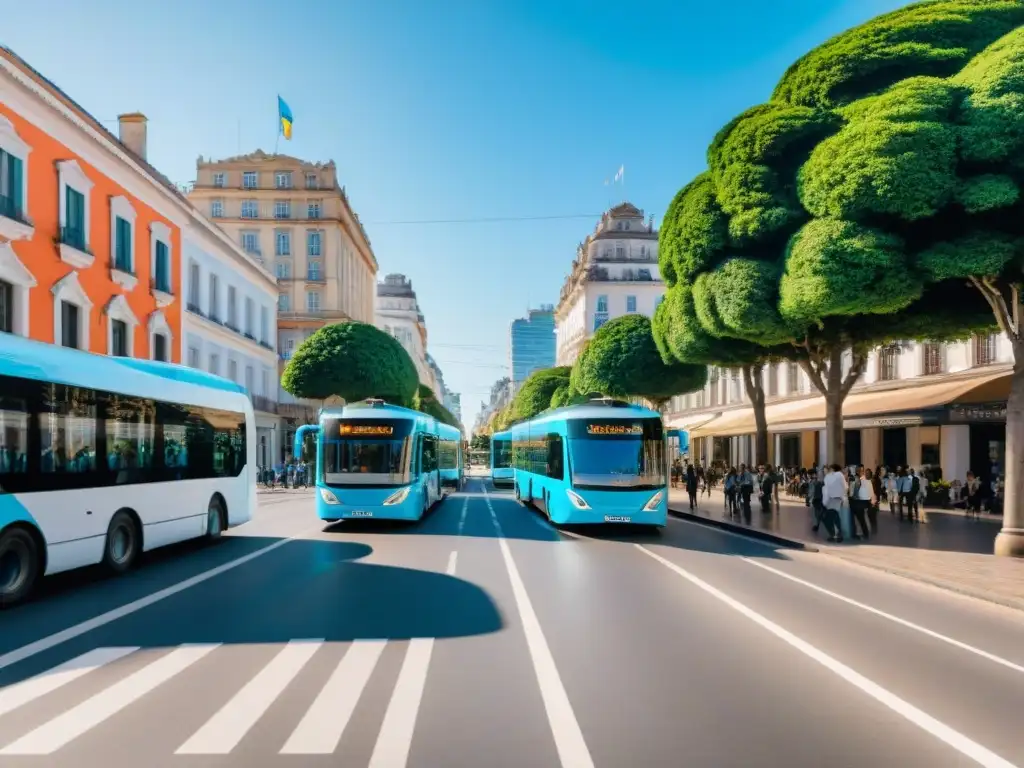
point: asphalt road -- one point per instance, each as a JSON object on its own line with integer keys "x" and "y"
{"x": 481, "y": 637}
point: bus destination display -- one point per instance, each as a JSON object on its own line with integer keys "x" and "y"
{"x": 615, "y": 429}
{"x": 367, "y": 430}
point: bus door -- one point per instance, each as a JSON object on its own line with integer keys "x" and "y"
{"x": 429, "y": 468}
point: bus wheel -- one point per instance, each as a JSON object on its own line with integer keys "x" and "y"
{"x": 214, "y": 519}
{"x": 19, "y": 565}
{"x": 122, "y": 547}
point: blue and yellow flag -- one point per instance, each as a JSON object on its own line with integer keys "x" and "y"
{"x": 285, "y": 115}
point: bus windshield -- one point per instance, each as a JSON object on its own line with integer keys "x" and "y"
{"x": 502, "y": 450}
{"x": 364, "y": 452}
{"x": 447, "y": 454}
{"x": 617, "y": 454}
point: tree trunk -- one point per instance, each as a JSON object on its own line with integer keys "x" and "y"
{"x": 825, "y": 369}
{"x": 754, "y": 383}
{"x": 1010, "y": 541}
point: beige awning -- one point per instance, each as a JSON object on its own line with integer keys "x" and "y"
{"x": 977, "y": 388}
{"x": 692, "y": 421}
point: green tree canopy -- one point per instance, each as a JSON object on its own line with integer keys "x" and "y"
{"x": 874, "y": 198}
{"x": 354, "y": 361}
{"x": 425, "y": 402}
{"x": 536, "y": 393}
{"x": 622, "y": 360}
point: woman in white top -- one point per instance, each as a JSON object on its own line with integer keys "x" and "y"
{"x": 862, "y": 496}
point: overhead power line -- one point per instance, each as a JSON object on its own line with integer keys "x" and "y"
{"x": 487, "y": 219}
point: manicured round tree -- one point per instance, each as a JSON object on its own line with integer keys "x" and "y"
{"x": 622, "y": 360}
{"x": 536, "y": 392}
{"x": 353, "y": 361}
{"x": 874, "y": 198}
{"x": 566, "y": 395}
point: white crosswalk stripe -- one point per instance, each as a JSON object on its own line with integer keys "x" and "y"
{"x": 48, "y": 738}
{"x": 324, "y": 724}
{"x": 224, "y": 730}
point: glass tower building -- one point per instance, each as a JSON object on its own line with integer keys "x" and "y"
{"x": 532, "y": 344}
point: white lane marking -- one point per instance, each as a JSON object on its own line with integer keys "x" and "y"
{"x": 51, "y": 736}
{"x": 462, "y": 517}
{"x": 46, "y": 682}
{"x": 324, "y": 724}
{"x": 921, "y": 719}
{"x": 395, "y": 737}
{"x": 569, "y": 741}
{"x": 46, "y": 643}
{"x": 225, "y": 729}
{"x": 890, "y": 617}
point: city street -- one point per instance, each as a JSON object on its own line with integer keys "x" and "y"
{"x": 482, "y": 637}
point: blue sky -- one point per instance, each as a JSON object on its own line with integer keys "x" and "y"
{"x": 454, "y": 109}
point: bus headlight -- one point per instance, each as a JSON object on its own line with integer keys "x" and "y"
{"x": 652, "y": 505}
{"x": 576, "y": 500}
{"x": 328, "y": 497}
{"x": 398, "y": 497}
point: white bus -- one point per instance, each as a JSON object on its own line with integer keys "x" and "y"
{"x": 103, "y": 458}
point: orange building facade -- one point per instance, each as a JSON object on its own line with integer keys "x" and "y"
{"x": 90, "y": 234}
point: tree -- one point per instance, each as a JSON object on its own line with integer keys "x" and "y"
{"x": 535, "y": 395}
{"x": 354, "y": 361}
{"x": 874, "y": 198}
{"x": 566, "y": 395}
{"x": 623, "y": 360}
{"x": 425, "y": 402}
{"x": 480, "y": 442}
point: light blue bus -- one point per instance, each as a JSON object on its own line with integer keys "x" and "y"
{"x": 450, "y": 460}
{"x": 103, "y": 458}
{"x": 501, "y": 460}
{"x": 374, "y": 460}
{"x": 601, "y": 462}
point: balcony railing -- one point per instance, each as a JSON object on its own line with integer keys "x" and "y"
{"x": 194, "y": 308}
{"x": 11, "y": 209}
{"x": 266, "y": 345}
{"x": 249, "y": 336}
{"x": 230, "y": 324}
{"x": 265, "y": 404}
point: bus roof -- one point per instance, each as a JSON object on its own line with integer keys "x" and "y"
{"x": 506, "y": 435}
{"x": 590, "y": 411}
{"x": 39, "y": 361}
{"x": 448, "y": 432}
{"x": 374, "y": 410}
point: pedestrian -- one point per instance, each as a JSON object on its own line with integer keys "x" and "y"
{"x": 746, "y": 479}
{"x": 862, "y": 496}
{"x": 767, "y": 487}
{"x": 730, "y": 491}
{"x": 876, "y": 485}
{"x": 973, "y": 490}
{"x": 691, "y": 485}
{"x": 834, "y": 495}
{"x": 814, "y": 498}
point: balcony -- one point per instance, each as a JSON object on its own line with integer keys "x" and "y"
{"x": 266, "y": 345}
{"x": 315, "y": 277}
{"x": 14, "y": 224}
{"x": 249, "y": 336}
{"x": 160, "y": 287}
{"x": 73, "y": 249}
{"x": 265, "y": 404}
{"x": 122, "y": 274}
{"x": 194, "y": 308}
{"x": 231, "y": 325}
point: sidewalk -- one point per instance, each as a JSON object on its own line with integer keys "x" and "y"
{"x": 947, "y": 550}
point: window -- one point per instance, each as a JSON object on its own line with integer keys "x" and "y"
{"x": 233, "y": 370}
{"x": 312, "y": 301}
{"x": 193, "y": 357}
{"x": 631, "y": 303}
{"x": 283, "y": 179}
{"x": 119, "y": 338}
{"x": 284, "y": 302}
{"x": 69, "y": 323}
{"x": 602, "y": 303}
{"x": 6, "y": 308}
{"x": 249, "y": 378}
{"x": 75, "y": 188}
{"x": 250, "y": 179}
{"x": 232, "y": 307}
{"x": 250, "y": 209}
{"x": 265, "y": 383}
{"x": 264, "y": 325}
{"x": 215, "y": 363}
{"x": 889, "y": 362}
{"x": 251, "y": 242}
{"x": 12, "y": 185}
{"x": 773, "y": 379}
{"x": 193, "y": 286}
{"x": 932, "y": 362}
{"x": 121, "y": 322}
{"x": 620, "y": 251}
{"x": 284, "y": 269}
{"x": 792, "y": 378}
{"x": 313, "y": 243}
{"x": 217, "y": 209}
{"x": 313, "y": 209}
{"x": 311, "y": 181}
{"x": 283, "y": 243}
{"x": 160, "y": 347}
{"x": 219, "y": 179}
{"x": 282, "y": 209}
{"x": 122, "y": 246}
{"x": 214, "y": 298}
{"x": 249, "y": 317}
{"x": 313, "y": 271}
{"x": 984, "y": 349}
{"x": 162, "y": 267}
{"x": 73, "y": 231}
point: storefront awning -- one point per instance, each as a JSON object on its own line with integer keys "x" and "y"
{"x": 691, "y": 422}
{"x": 809, "y": 413}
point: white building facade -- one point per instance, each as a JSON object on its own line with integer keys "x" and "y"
{"x": 937, "y": 407}
{"x": 397, "y": 312}
{"x": 230, "y": 327}
{"x": 615, "y": 273}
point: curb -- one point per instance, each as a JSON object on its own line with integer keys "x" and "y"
{"x": 742, "y": 530}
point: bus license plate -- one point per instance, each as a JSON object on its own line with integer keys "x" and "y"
{"x": 361, "y": 513}
{"x": 615, "y": 519}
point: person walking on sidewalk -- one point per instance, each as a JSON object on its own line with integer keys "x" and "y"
{"x": 691, "y": 485}
{"x": 862, "y": 497}
{"x": 833, "y": 496}
{"x": 814, "y": 499}
{"x": 892, "y": 493}
{"x": 730, "y": 491}
{"x": 876, "y": 485}
{"x": 910, "y": 487}
{"x": 746, "y": 489}
{"x": 767, "y": 488}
